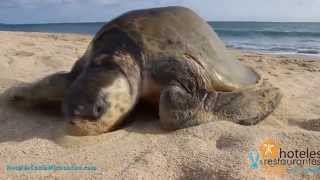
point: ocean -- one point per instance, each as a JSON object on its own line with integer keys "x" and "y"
{"x": 270, "y": 37}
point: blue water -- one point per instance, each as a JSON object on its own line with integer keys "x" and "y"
{"x": 271, "y": 37}
{"x": 301, "y": 38}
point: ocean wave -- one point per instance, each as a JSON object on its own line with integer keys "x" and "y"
{"x": 309, "y": 40}
{"x": 309, "y": 51}
{"x": 259, "y": 33}
{"x": 275, "y": 49}
{"x": 281, "y": 49}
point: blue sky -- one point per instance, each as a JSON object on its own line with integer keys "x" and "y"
{"x": 53, "y": 11}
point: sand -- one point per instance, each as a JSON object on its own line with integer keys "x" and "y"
{"x": 142, "y": 150}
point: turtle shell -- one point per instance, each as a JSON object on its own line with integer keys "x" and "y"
{"x": 178, "y": 32}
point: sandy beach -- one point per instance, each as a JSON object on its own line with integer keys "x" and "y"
{"x": 142, "y": 150}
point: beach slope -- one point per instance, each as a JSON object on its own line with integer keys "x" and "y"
{"x": 141, "y": 150}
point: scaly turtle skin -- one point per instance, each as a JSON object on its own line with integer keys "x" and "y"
{"x": 167, "y": 56}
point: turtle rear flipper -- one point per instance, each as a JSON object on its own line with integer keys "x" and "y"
{"x": 180, "y": 109}
{"x": 50, "y": 89}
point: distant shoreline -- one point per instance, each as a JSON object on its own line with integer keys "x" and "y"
{"x": 267, "y": 37}
{"x": 236, "y": 50}
{"x": 292, "y": 22}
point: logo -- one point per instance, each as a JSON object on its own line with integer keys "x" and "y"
{"x": 273, "y": 158}
{"x": 254, "y": 158}
{"x": 269, "y": 149}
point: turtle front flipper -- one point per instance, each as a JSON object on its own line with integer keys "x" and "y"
{"x": 245, "y": 107}
{"x": 180, "y": 109}
{"x": 50, "y": 89}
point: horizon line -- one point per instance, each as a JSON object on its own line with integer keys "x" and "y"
{"x": 207, "y": 21}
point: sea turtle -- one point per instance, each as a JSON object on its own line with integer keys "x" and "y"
{"x": 167, "y": 56}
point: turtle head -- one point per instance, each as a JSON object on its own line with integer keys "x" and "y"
{"x": 97, "y": 100}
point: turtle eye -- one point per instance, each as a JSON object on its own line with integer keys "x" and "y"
{"x": 98, "y": 111}
{"x": 98, "y": 61}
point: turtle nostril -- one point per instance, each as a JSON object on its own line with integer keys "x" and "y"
{"x": 76, "y": 112}
{"x": 99, "y": 109}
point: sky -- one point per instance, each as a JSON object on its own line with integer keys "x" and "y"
{"x": 58, "y": 11}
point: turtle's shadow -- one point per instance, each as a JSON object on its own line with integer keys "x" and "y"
{"x": 306, "y": 124}
{"x": 18, "y": 123}
{"x": 144, "y": 119}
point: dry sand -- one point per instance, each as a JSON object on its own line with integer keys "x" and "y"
{"x": 141, "y": 150}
